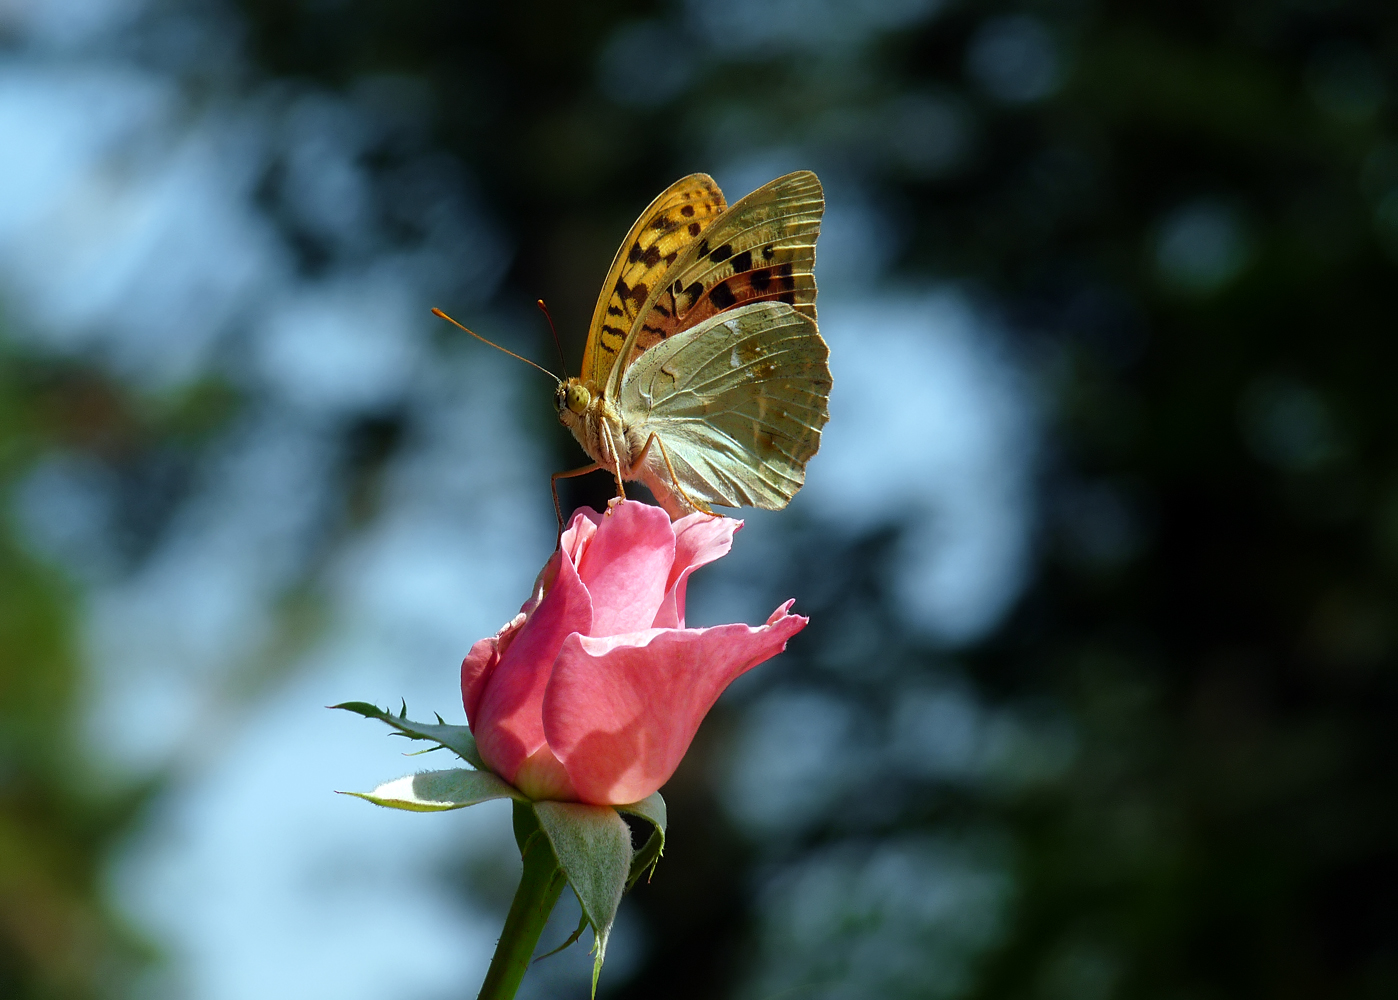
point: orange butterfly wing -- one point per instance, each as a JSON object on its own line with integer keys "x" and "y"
{"x": 761, "y": 249}
{"x": 673, "y": 222}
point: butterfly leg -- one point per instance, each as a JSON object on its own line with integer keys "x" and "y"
{"x": 553, "y": 484}
{"x": 653, "y": 439}
{"x": 609, "y": 448}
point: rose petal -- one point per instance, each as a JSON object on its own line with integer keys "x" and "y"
{"x": 540, "y": 776}
{"x": 699, "y": 540}
{"x": 481, "y": 661}
{"x": 621, "y": 711}
{"x": 626, "y": 566}
{"x": 507, "y": 722}
{"x": 579, "y": 533}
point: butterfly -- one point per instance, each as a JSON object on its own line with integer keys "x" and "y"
{"x": 705, "y": 376}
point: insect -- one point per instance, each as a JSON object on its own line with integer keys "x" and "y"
{"x": 704, "y": 376}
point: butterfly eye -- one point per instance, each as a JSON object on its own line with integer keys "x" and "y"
{"x": 578, "y": 397}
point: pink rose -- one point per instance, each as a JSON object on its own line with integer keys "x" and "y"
{"x": 595, "y": 690}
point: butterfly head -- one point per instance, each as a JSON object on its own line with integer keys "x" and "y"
{"x": 572, "y": 399}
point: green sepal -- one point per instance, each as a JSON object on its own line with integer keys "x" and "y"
{"x": 582, "y": 926}
{"x": 438, "y": 791}
{"x": 457, "y": 739}
{"x": 652, "y": 810}
{"x": 593, "y": 847}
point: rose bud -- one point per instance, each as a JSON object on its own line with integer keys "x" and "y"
{"x": 595, "y": 690}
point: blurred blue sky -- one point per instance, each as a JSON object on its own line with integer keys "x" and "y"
{"x": 130, "y": 235}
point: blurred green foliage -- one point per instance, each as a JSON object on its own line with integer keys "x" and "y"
{"x": 60, "y": 815}
{"x": 57, "y": 935}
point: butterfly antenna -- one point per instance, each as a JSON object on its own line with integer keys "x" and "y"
{"x": 562, "y": 362}
{"x": 441, "y": 315}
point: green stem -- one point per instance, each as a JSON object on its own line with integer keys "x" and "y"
{"x": 540, "y": 884}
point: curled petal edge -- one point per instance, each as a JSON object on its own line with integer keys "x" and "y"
{"x": 620, "y": 711}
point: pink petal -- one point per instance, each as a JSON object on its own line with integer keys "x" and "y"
{"x": 540, "y": 776}
{"x": 620, "y": 711}
{"x": 699, "y": 540}
{"x": 481, "y": 661}
{"x": 626, "y": 566}
{"x": 507, "y": 722}
{"x": 578, "y": 535}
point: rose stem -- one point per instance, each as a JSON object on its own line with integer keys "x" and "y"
{"x": 540, "y": 884}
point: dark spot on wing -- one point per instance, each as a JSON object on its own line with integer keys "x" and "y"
{"x": 652, "y": 255}
{"x": 719, "y": 254}
{"x": 721, "y": 296}
{"x": 660, "y": 222}
{"x": 695, "y": 229}
{"x": 788, "y": 297}
{"x": 761, "y": 280}
{"x": 634, "y": 254}
{"x": 742, "y": 262}
{"x": 614, "y": 311}
{"x": 638, "y": 293}
{"x": 613, "y": 331}
{"x": 767, "y": 252}
{"x": 670, "y": 257}
{"x": 693, "y": 292}
{"x": 687, "y": 211}
{"x": 661, "y": 309}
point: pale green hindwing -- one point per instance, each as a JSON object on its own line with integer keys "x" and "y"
{"x": 738, "y": 402}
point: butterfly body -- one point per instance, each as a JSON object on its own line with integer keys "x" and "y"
{"x": 716, "y": 390}
{"x": 596, "y": 425}
{"x": 613, "y": 444}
